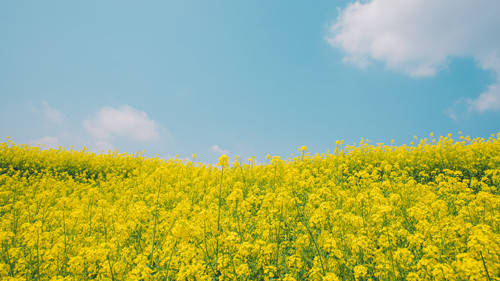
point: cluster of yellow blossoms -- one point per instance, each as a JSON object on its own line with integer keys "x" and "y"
{"x": 425, "y": 211}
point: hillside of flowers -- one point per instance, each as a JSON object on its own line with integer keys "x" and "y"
{"x": 429, "y": 210}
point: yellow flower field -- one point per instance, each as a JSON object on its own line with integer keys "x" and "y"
{"x": 425, "y": 211}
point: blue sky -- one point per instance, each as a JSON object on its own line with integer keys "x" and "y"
{"x": 246, "y": 78}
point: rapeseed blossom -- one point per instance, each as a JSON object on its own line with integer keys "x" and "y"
{"x": 425, "y": 211}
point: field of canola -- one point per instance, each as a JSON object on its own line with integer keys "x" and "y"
{"x": 425, "y": 211}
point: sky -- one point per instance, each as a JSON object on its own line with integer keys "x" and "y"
{"x": 246, "y": 78}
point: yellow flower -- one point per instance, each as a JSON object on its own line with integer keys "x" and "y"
{"x": 223, "y": 161}
{"x": 386, "y": 212}
{"x": 360, "y": 271}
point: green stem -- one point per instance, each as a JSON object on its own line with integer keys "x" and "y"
{"x": 155, "y": 222}
{"x": 65, "y": 238}
{"x": 170, "y": 260}
{"x": 110, "y": 268}
{"x": 218, "y": 215}
{"x": 38, "y": 254}
{"x": 301, "y": 217}
{"x": 485, "y": 268}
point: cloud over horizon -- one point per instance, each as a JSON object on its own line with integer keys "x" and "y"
{"x": 47, "y": 142}
{"x": 216, "y": 149}
{"x": 420, "y": 37}
{"x": 125, "y": 122}
{"x": 52, "y": 114}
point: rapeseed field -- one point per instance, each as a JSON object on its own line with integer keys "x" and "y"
{"x": 429, "y": 210}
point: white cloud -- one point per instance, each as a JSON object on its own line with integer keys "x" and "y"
{"x": 52, "y": 114}
{"x": 458, "y": 108}
{"x": 100, "y": 146}
{"x": 125, "y": 122}
{"x": 48, "y": 141}
{"x": 451, "y": 112}
{"x": 216, "y": 149}
{"x": 489, "y": 100}
{"x": 419, "y": 37}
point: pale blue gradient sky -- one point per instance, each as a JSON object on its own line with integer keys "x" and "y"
{"x": 239, "y": 77}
